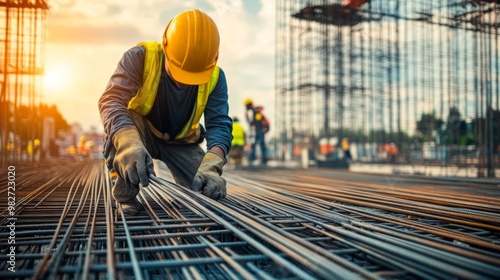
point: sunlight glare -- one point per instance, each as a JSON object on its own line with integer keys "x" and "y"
{"x": 56, "y": 78}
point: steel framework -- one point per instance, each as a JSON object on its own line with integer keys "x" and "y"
{"x": 371, "y": 74}
{"x": 22, "y": 35}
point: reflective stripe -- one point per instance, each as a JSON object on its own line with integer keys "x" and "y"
{"x": 204, "y": 92}
{"x": 238, "y": 134}
{"x": 143, "y": 101}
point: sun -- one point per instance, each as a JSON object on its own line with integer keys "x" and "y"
{"x": 56, "y": 78}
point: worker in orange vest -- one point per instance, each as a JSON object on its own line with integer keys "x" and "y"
{"x": 392, "y": 153}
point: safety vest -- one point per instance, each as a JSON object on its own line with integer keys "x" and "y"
{"x": 238, "y": 134}
{"x": 345, "y": 144}
{"x": 143, "y": 101}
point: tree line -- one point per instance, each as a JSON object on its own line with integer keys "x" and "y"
{"x": 26, "y": 122}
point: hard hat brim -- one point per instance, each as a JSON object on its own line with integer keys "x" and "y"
{"x": 190, "y": 78}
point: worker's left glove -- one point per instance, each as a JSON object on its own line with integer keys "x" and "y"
{"x": 208, "y": 179}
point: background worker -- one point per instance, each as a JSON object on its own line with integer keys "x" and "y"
{"x": 83, "y": 149}
{"x": 152, "y": 106}
{"x": 238, "y": 143}
{"x": 392, "y": 153}
{"x": 346, "y": 147}
{"x": 259, "y": 126}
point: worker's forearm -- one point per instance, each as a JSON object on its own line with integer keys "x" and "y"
{"x": 121, "y": 87}
{"x": 217, "y": 122}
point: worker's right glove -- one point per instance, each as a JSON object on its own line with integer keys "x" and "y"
{"x": 208, "y": 179}
{"x": 132, "y": 161}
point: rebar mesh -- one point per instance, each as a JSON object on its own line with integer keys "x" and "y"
{"x": 275, "y": 224}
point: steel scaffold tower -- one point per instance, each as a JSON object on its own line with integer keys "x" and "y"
{"x": 21, "y": 64}
{"x": 421, "y": 74}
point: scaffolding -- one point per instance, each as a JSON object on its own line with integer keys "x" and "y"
{"x": 423, "y": 75}
{"x": 21, "y": 65}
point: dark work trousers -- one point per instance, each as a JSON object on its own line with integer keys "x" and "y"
{"x": 183, "y": 160}
{"x": 259, "y": 141}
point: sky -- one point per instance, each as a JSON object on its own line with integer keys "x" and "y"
{"x": 85, "y": 39}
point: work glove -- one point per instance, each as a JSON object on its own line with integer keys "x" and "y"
{"x": 208, "y": 179}
{"x": 132, "y": 160}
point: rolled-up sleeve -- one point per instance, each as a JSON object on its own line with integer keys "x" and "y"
{"x": 217, "y": 121}
{"x": 122, "y": 86}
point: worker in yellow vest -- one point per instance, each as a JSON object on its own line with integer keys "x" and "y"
{"x": 29, "y": 149}
{"x": 238, "y": 143}
{"x": 346, "y": 147}
{"x": 152, "y": 107}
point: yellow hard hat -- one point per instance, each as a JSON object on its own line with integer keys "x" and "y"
{"x": 191, "y": 46}
{"x": 248, "y": 101}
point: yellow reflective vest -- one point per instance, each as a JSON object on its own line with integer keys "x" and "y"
{"x": 143, "y": 101}
{"x": 238, "y": 134}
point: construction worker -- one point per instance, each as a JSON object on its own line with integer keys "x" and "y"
{"x": 71, "y": 151}
{"x": 37, "y": 148}
{"x": 29, "y": 149}
{"x": 346, "y": 147}
{"x": 152, "y": 106}
{"x": 82, "y": 147}
{"x": 10, "y": 150}
{"x": 259, "y": 126}
{"x": 392, "y": 152}
{"x": 238, "y": 143}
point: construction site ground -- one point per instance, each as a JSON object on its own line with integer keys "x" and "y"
{"x": 59, "y": 221}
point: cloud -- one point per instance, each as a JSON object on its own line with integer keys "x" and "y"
{"x": 91, "y": 34}
{"x": 247, "y": 53}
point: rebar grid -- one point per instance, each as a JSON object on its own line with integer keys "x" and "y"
{"x": 275, "y": 224}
